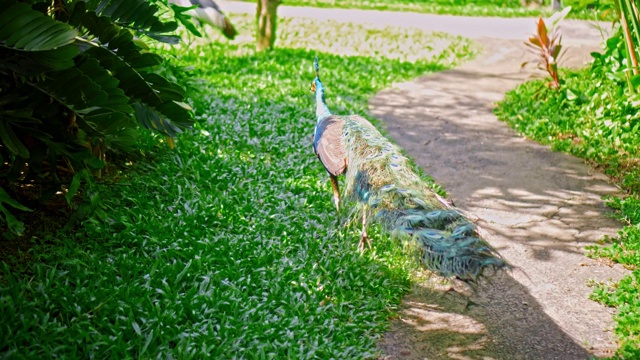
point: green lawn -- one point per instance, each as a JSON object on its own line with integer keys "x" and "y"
{"x": 227, "y": 246}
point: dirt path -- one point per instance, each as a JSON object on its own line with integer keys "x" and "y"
{"x": 539, "y": 208}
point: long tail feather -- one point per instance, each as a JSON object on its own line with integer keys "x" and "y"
{"x": 381, "y": 180}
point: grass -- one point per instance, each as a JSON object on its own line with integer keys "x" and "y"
{"x": 589, "y": 9}
{"x": 227, "y": 246}
{"x": 592, "y": 117}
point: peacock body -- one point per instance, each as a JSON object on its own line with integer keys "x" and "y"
{"x": 385, "y": 189}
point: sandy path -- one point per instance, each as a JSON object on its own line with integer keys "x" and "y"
{"x": 538, "y": 207}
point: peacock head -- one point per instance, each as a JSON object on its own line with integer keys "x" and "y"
{"x": 316, "y": 82}
{"x": 322, "y": 110}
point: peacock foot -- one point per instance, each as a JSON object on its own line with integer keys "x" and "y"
{"x": 364, "y": 240}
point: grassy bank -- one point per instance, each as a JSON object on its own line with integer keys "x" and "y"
{"x": 227, "y": 246}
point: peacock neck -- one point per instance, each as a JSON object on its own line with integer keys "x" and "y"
{"x": 322, "y": 110}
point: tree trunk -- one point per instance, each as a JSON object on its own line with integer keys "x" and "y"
{"x": 556, "y": 5}
{"x": 266, "y": 17}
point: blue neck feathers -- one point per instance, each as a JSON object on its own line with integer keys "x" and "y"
{"x": 322, "y": 110}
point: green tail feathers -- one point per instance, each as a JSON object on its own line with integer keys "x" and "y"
{"x": 383, "y": 183}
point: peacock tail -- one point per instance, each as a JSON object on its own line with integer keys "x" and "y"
{"x": 386, "y": 190}
{"x": 382, "y": 182}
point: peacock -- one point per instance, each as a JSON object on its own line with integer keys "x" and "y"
{"x": 209, "y": 12}
{"x": 386, "y": 190}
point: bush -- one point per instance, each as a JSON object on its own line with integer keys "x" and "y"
{"x": 76, "y": 79}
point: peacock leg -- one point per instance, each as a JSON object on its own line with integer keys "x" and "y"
{"x": 364, "y": 238}
{"x": 336, "y": 192}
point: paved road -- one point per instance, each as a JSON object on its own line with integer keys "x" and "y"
{"x": 539, "y": 208}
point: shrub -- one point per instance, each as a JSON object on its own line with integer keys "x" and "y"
{"x": 76, "y": 79}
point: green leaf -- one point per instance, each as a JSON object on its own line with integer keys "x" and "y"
{"x": 77, "y": 13}
{"x": 555, "y": 51}
{"x": 15, "y": 226}
{"x": 138, "y": 14}
{"x": 57, "y": 59}
{"x": 635, "y": 81}
{"x": 87, "y": 158}
{"x": 143, "y": 60}
{"x": 185, "y": 19}
{"x": 136, "y": 328}
{"x": 149, "y": 337}
{"x": 169, "y": 90}
{"x": 101, "y": 27}
{"x": 157, "y": 100}
{"x": 74, "y": 186}
{"x": 123, "y": 139}
{"x": 152, "y": 119}
{"x": 116, "y": 98}
{"x": 30, "y": 30}
{"x": 6, "y": 199}
{"x": 11, "y": 141}
{"x": 167, "y": 39}
{"x": 89, "y": 90}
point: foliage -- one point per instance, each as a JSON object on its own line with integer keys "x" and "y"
{"x": 227, "y": 246}
{"x": 596, "y": 117}
{"x": 582, "y": 9}
{"x": 546, "y": 45}
{"x": 630, "y": 24}
{"x": 624, "y": 296}
{"x": 76, "y": 79}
